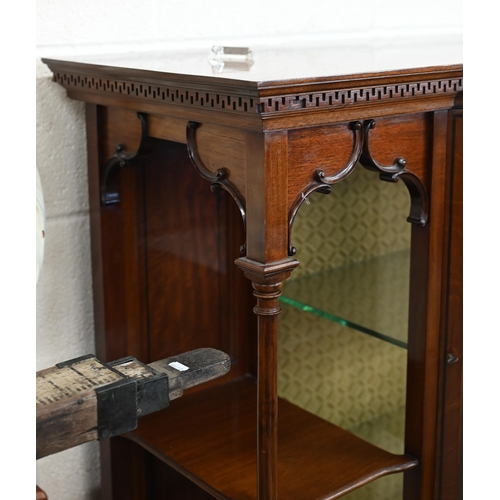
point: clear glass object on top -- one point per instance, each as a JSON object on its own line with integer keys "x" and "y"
{"x": 230, "y": 59}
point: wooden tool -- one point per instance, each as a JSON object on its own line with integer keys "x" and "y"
{"x": 84, "y": 399}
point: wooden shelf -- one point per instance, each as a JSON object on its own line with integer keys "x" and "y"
{"x": 210, "y": 437}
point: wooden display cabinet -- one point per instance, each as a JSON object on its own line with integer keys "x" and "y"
{"x": 162, "y": 130}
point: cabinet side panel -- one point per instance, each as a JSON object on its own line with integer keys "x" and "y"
{"x": 425, "y": 320}
{"x": 117, "y": 254}
{"x": 191, "y": 243}
{"x": 163, "y": 273}
{"x": 92, "y": 126}
{"x": 450, "y": 432}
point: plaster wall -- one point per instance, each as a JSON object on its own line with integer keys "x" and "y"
{"x": 64, "y": 295}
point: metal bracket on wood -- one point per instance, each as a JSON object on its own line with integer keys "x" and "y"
{"x": 116, "y": 408}
{"x": 153, "y": 389}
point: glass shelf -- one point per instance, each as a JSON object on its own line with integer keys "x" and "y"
{"x": 370, "y": 296}
{"x": 343, "y": 376}
{"x": 350, "y": 379}
{"x": 331, "y": 363}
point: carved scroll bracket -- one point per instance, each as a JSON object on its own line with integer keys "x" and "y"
{"x": 419, "y": 211}
{"x": 219, "y": 180}
{"x": 109, "y": 185}
{"x": 321, "y": 182}
{"x": 361, "y": 153}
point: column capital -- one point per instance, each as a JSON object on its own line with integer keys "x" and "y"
{"x": 267, "y": 273}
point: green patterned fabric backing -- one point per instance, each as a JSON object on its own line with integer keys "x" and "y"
{"x": 342, "y": 375}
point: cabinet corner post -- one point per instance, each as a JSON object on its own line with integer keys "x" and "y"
{"x": 267, "y": 281}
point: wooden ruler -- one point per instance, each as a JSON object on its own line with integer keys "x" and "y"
{"x": 84, "y": 399}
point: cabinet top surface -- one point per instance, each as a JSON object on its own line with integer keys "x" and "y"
{"x": 282, "y": 65}
{"x": 282, "y": 82}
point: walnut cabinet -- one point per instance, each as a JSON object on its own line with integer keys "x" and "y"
{"x": 196, "y": 180}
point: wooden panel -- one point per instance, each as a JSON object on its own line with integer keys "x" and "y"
{"x": 122, "y": 127}
{"x": 168, "y": 249}
{"x": 105, "y": 267}
{"x": 185, "y": 266}
{"x": 449, "y": 452}
{"x": 326, "y": 148}
{"x": 329, "y": 148}
{"x": 218, "y": 146}
{"x": 403, "y": 136}
{"x": 144, "y": 477}
{"x": 129, "y": 467}
{"x": 118, "y": 258}
{"x": 167, "y": 483}
{"x": 166, "y": 253}
{"x": 93, "y": 129}
{"x": 267, "y": 216}
{"x": 134, "y": 257}
{"x": 114, "y": 284}
{"x": 425, "y": 322}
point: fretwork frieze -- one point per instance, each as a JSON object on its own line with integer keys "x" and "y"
{"x": 341, "y": 98}
{"x": 264, "y": 105}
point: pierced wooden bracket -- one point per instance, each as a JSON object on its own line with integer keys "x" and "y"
{"x": 109, "y": 181}
{"x": 419, "y": 211}
{"x": 321, "y": 182}
{"x": 219, "y": 180}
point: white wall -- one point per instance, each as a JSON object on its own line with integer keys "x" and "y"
{"x": 64, "y": 297}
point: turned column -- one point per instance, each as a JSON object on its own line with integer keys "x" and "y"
{"x": 267, "y": 281}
